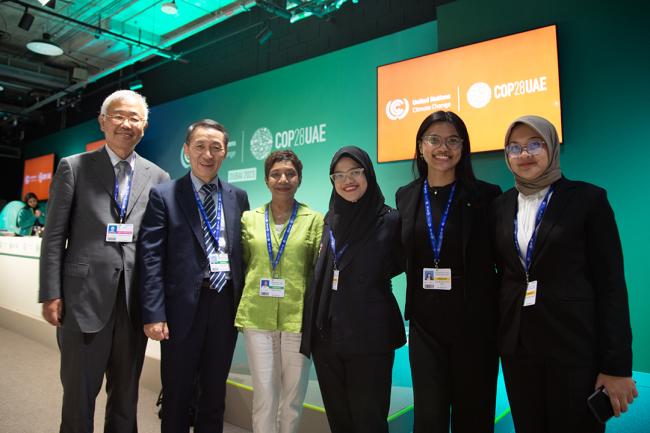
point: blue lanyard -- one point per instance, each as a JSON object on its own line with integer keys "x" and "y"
{"x": 121, "y": 207}
{"x": 436, "y": 243}
{"x": 283, "y": 243}
{"x": 215, "y": 232}
{"x": 337, "y": 257}
{"x": 531, "y": 243}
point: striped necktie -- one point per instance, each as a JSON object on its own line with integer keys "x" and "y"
{"x": 123, "y": 172}
{"x": 217, "y": 279}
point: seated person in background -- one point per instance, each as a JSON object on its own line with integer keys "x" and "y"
{"x": 31, "y": 217}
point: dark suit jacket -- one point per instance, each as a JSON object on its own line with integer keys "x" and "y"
{"x": 173, "y": 256}
{"x": 86, "y": 271}
{"x": 365, "y": 315}
{"x": 581, "y": 314}
{"x": 478, "y": 257}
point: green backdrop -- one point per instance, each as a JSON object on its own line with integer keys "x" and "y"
{"x": 604, "y": 69}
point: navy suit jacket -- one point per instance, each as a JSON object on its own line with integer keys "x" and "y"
{"x": 172, "y": 252}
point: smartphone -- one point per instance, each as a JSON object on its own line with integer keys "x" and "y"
{"x": 600, "y": 405}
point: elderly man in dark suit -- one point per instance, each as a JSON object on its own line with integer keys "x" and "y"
{"x": 87, "y": 269}
{"x": 192, "y": 269}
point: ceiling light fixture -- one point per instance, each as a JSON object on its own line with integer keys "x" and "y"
{"x": 45, "y": 46}
{"x": 49, "y": 3}
{"x": 170, "y": 8}
{"x": 264, "y": 35}
{"x": 136, "y": 84}
{"x": 26, "y": 20}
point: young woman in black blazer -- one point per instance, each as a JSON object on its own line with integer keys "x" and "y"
{"x": 452, "y": 331}
{"x": 351, "y": 322}
{"x": 564, "y": 326}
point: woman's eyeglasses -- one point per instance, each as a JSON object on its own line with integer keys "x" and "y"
{"x": 533, "y": 148}
{"x": 339, "y": 176}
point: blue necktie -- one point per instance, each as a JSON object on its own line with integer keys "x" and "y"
{"x": 217, "y": 279}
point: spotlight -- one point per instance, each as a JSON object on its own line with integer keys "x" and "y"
{"x": 264, "y": 35}
{"x": 48, "y": 3}
{"x": 169, "y": 8}
{"x": 45, "y": 46}
{"x": 26, "y": 20}
{"x": 136, "y": 84}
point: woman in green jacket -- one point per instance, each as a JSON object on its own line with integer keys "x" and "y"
{"x": 30, "y": 216}
{"x": 280, "y": 242}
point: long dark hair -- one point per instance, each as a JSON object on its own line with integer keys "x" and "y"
{"x": 464, "y": 171}
{"x": 27, "y": 197}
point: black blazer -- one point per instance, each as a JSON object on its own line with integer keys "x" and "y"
{"x": 478, "y": 257}
{"x": 581, "y": 314}
{"x": 172, "y": 252}
{"x": 365, "y": 315}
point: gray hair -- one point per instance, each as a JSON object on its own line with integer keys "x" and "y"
{"x": 120, "y": 95}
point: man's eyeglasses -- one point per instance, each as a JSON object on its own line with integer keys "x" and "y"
{"x": 453, "y": 143}
{"x": 118, "y": 119}
{"x": 339, "y": 176}
{"x": 533, "y": 148}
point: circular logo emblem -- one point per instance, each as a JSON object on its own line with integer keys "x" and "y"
{"x": 185, "y": 161}
{"x": 479, "y": 95}
{"x": 397, "y": 109}
{"x": 261, "y": 143}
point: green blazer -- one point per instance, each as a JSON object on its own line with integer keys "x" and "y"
{"x": 295, "y": 267}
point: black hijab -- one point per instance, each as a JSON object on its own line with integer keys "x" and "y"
{"x": 350, "y": 222}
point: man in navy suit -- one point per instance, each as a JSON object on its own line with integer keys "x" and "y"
{"x": 192, "y": 278}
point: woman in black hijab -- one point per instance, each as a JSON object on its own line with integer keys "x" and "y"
{"x": 352, "y": 324}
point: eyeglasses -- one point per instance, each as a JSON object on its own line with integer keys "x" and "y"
{"x": 118, "y": 119}
{"x": 277, "y": 175}
{"x": 353, "y": 174}
{"x": 202, "y": 147}
{"x": 452, "y": 143}
{"x": 533, "y": 148}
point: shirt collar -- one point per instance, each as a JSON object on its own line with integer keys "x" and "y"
{"x": 198, "y": 183}
{"x": 116, "y": 159}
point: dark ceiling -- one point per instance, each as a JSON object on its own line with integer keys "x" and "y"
{"x": 110, "y": 44}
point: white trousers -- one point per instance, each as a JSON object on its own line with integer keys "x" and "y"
{"x": 280, "y": 376}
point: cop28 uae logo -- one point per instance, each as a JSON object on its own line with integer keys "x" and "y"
{"x": 185, "y": 160}
{"x": 479, "y": 95}
{"x": 397, "y": 109}
{"x": 261, "y": 143}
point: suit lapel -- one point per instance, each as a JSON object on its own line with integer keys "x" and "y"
{"x": 187, "y": 203}
{"x": 553, "y": 214}
{"x": 140, "y": 180}
{"x": 104, "y": 171}
{"x": 466, "y": 219}
{"x": 229, "y": 203}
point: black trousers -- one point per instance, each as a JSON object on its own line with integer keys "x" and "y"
{"x": 355, "y": 388}
{"x": 204, "y": 354}
{"x": 452, "y": 379}
{"x": 116, "y": 351}
{"x": 549, "y": 398}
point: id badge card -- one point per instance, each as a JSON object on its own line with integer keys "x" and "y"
{"x": 531, "y": 294}
{"x": 272, "y": 287}
{"x": 119, "y": 232}
{"x": 335, "y": 280}
{"x": 219, "y": 262}
{"x": 436, "y": 278}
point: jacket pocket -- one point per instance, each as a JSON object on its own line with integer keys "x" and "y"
{"x": 76, "y": 269}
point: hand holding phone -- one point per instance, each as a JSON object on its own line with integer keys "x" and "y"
{"x": 600, "y": 405}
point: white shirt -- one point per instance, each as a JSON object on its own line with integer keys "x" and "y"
{"x": 526, "y": 214}
{"x": 116, "y": 159}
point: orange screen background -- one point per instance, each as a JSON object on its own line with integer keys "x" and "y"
{"x": 510, "y": 70}
{"x": 38, "y": 176}
{"x": 95, "y": 145}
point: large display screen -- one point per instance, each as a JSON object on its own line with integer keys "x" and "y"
{"x": 487, "y": 84}
{"x": 37, "y": 176}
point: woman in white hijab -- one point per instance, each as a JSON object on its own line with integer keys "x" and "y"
{"x": 564, "y": 326}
